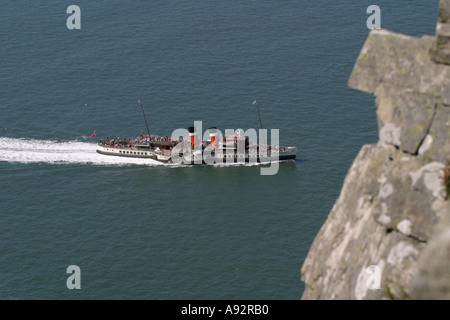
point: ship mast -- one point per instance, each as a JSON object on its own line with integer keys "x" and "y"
{"x": 145, "y": 118}
{"x": 260, "y": 122}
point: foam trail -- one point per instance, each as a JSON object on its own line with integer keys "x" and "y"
{"x": 54, "y": 152}
{"x": 22, "y": 150}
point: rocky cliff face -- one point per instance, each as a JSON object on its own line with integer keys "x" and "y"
{"x": 392, "y": 213}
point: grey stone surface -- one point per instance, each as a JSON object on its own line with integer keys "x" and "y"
{"x": 432, "y": 281}
{"x": 440, "y": 52}
{"x": 393, "y": 198}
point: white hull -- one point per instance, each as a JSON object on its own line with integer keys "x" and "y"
{"x": 165, "y": 155}
{"x": 134, "y": 153}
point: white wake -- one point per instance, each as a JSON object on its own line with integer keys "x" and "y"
{"x": 21, "y": 150}
{"x": 54, "y": 152}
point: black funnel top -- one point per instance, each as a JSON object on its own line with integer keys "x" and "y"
{"x": 191, "y": 129}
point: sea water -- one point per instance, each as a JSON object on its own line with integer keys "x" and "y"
{"x": 138, "y": 229}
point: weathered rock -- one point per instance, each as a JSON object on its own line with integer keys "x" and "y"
{"x": 407, "y": 84}
{"x": 441, "y": 50}
{"x": 436, "y": 144}
{"x": 432, "y": 281}
{"x": 397, "y": 111}
{"x": 383, "y": 216}
{"x": 444, "y": 11}
{"x": 393, "y": 196}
